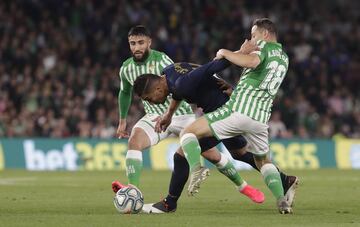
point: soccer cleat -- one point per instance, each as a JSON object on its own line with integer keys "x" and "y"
{"x": 291, "y": 184}
{"x": 197, "y": 176}
{"x": 253, "y": 193}
{"x": 158, "y": 208}
{"x": 283, "y": 206}
{"x": 116, "y": 186}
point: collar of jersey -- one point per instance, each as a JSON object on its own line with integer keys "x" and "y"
{"x": 276, "y": 43}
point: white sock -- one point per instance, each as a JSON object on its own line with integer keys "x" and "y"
{"x": 267, "y": 169}
{"x": 134, "y": 154}
{"x": 223, "y": 161}
{"x": 242, "y": 186}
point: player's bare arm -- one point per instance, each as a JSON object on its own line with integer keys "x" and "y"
{"x": 121, "y": 131}
{"x": 244, "y": 60}
{"x": 247, "y": 47}
{"x": 163, "y": 122}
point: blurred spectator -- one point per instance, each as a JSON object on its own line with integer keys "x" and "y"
{"x": 59, "y": 60}
{"x": 277, "y": 128}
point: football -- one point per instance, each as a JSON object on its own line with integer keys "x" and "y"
{"x": 129, "y": 200}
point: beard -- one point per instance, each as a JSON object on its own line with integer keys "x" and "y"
{"x": 142, "y": 58}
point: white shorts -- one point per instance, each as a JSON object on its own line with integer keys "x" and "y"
{"x": 178, "y": 123}
{"x": 226, "y": 124}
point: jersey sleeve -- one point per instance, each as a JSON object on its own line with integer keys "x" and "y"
{"x": 190, "y": 81}
{"x": 176, "y": 96}
{"x": 164, "y": 62}
{"x": 125, "y": 94}
{"x": 262, "y": 52}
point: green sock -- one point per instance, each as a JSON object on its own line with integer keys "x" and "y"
{"x": 272, "y": 179}
{"x": 226, "y": 167}
{"x": 192, "y": 150}
{"x": 133, "y": 167}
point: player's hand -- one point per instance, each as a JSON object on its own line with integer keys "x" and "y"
{"x": 162, "y": 123}
{"x": 219, "y": 54}
{"x": 225, "y": 86}
{"x": 248, "y": 46}
{"x": 121, "y": 130}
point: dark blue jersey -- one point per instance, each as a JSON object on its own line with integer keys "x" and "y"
{"x": 197, "y": 85}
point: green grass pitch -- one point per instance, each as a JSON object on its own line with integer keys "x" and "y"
{"x": 324, "y": 198}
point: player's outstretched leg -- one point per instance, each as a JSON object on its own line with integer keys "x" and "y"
{"x": 134, "y": 164}
{"x": 198, "y": 173}
{"x": 226, "y": 167}
{"x": 138, "y": 141}
{"x": 289, "y": 183}
{"x": 178, "y": 180}
{"x": 133, "y": 170}
{"x": 273, "y": 181}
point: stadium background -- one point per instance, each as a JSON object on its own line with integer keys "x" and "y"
{"x": 59, "y": 64}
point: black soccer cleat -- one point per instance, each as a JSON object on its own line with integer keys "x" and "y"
{"x": 158, "y": 208}
{"x": 290, "y": 185}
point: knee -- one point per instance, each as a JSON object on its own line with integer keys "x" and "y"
{"x": 261, "y": 160}
{"x": 179, "y": 152}
{"x": 138, "y": 141}
{"x": 212, "y": 155}
{"x": 185, "y": 131}
{"x": 134, "y": 144}
{"x": 237, "y": 153}
{"x": 212, "y": 159}
{"x": 199, "y": 128}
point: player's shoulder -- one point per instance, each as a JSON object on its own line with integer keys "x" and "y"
{"x": 127, "y": 62}
{"x": 262, "y": 43}
{"x": 125, "y": 65}
{"x": 160, "y": 56}
{"x": 157, "y": 53}
{"x": 274, "y": 49}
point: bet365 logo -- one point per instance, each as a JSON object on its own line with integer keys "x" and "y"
{"x": 295, "y": 155}
{"x": 54, "y": 159}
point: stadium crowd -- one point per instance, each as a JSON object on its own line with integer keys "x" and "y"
{"x": 59, "y": 60}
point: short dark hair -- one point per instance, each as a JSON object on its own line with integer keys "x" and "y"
{"x": 144, "y": 83}
{"x": 139, "y": 30}
{"x": 266, "y": 23}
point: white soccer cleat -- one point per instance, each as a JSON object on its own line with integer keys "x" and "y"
{"x": 284, "y": 206}
{"x": 149, "y": 209}
{"x": 197, "y": 176}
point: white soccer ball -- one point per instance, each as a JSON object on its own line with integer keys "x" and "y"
{"x": 129, "y": 200}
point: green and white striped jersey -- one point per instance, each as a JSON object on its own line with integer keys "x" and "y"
{"x": 257, "y": 87}
{"x": 154, "y": 64}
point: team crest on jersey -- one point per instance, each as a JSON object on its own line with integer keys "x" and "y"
{"x": 152, "y": 67}
{"x": 180, "y": 69}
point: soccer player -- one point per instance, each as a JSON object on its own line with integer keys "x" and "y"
{"x": 144, "y": 60}
{"x": 248, "y": 110}
{"x": 202, "y": 87}
{"x": 143, "y": 135}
